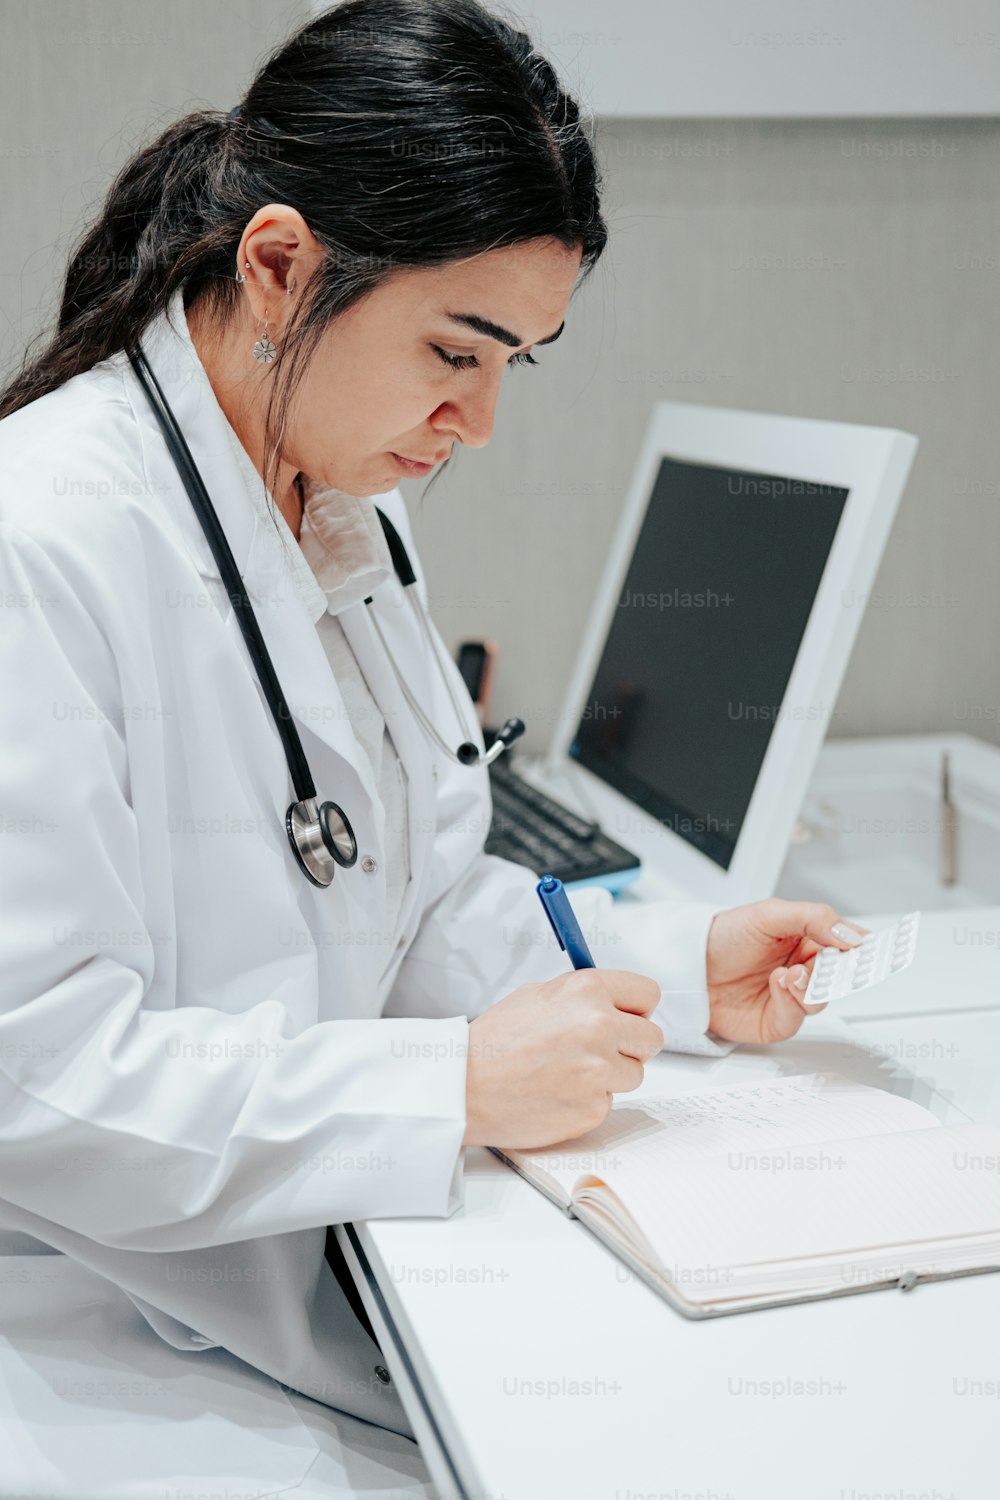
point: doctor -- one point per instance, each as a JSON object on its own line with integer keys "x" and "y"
{"x": 206, "y": 1057}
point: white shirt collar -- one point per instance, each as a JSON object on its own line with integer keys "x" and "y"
{"x": 341, "y": 554}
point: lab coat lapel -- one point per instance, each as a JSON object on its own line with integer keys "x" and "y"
{"x": 307, "y": 679}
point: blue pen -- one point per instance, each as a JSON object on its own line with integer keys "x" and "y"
{"x": 552, "y": 894}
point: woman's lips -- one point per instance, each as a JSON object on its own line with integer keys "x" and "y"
{"x": 412, "y": 465}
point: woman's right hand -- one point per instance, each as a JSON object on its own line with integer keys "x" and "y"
{"x": 544, "y": 1061}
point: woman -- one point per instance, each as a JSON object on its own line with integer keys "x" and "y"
{"x": 326, "y": 284}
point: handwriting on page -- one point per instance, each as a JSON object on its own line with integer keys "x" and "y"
{"x": 757, "y": 1106}
{"x": 800, "y": 1110}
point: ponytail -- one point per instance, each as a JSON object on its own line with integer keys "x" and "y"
{"x": 407, "y": 133}
{"x": 154, "y": 230}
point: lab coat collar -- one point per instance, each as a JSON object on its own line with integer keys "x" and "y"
{"x": 341, "y": 556}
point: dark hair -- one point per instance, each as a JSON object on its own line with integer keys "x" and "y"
{"x": 407, "y": 133}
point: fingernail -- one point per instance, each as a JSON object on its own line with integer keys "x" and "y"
{"x": 783, "y": 979}
{"x": 846, "y": 934}
{"x": 801, "y": 979}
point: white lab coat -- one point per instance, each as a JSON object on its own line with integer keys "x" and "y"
{"x": 204, "y": 1059}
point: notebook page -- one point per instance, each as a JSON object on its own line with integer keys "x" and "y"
{"x": 741, "y": 1117}
{"x": 715, "y": 1223}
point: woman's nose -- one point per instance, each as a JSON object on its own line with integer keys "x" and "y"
{"x": 471, "y": 418}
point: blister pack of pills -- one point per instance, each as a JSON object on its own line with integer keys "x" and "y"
{"x": 837, "y": 973}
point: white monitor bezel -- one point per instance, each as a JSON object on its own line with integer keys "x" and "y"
{"x": 872, "y": 463}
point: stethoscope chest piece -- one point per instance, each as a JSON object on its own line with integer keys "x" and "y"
{"x": 321, "y": 838}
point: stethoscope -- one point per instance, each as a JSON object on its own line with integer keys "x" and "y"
{"x": 320, "y": 834}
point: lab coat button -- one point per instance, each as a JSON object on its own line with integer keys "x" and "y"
{"x": 383, "y": 1374}
{"x": 369, "y": 865}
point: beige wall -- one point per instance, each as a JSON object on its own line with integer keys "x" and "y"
{"x": 84, "y": 84}
{"x": 823, "y": 268}
{"x": 820, "y": 268}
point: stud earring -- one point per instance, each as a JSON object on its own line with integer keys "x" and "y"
{"x": 264, "y": 351}
{"x": 239, "y": 274}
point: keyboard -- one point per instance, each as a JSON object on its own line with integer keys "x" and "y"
{"x": 530, "y": 829}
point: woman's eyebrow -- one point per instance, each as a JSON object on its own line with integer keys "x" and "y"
{"x": 494, "y": 331}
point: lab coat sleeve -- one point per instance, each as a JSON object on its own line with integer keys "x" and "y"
{"x": 146, "y": 1127}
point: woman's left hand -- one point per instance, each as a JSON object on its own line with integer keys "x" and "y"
{"x": 758, "y": 963}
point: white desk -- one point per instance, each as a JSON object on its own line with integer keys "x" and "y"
{"x": 490, "y": 1316}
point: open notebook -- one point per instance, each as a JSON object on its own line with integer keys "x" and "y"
{"x": 747, "y": 1196}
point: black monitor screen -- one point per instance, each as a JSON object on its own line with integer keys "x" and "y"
{"x": 705, "y": 632}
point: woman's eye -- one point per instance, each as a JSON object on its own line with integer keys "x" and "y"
{"x": 469, "y": 361}
{"x": 457, "y": 361}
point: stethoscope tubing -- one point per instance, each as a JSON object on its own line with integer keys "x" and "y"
{"x": 294, "y": 754}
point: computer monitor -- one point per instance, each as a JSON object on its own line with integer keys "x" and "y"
{"x": 709, "y": 672}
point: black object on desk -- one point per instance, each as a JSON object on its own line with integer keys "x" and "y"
{"x": 533, "y": 830}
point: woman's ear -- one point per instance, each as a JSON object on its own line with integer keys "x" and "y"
{"x": 283, "y": 252}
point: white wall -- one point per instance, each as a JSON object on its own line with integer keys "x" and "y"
{"x": 726, "y": 58}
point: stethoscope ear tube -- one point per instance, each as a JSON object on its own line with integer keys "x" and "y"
{"x": 468, "y": 752}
